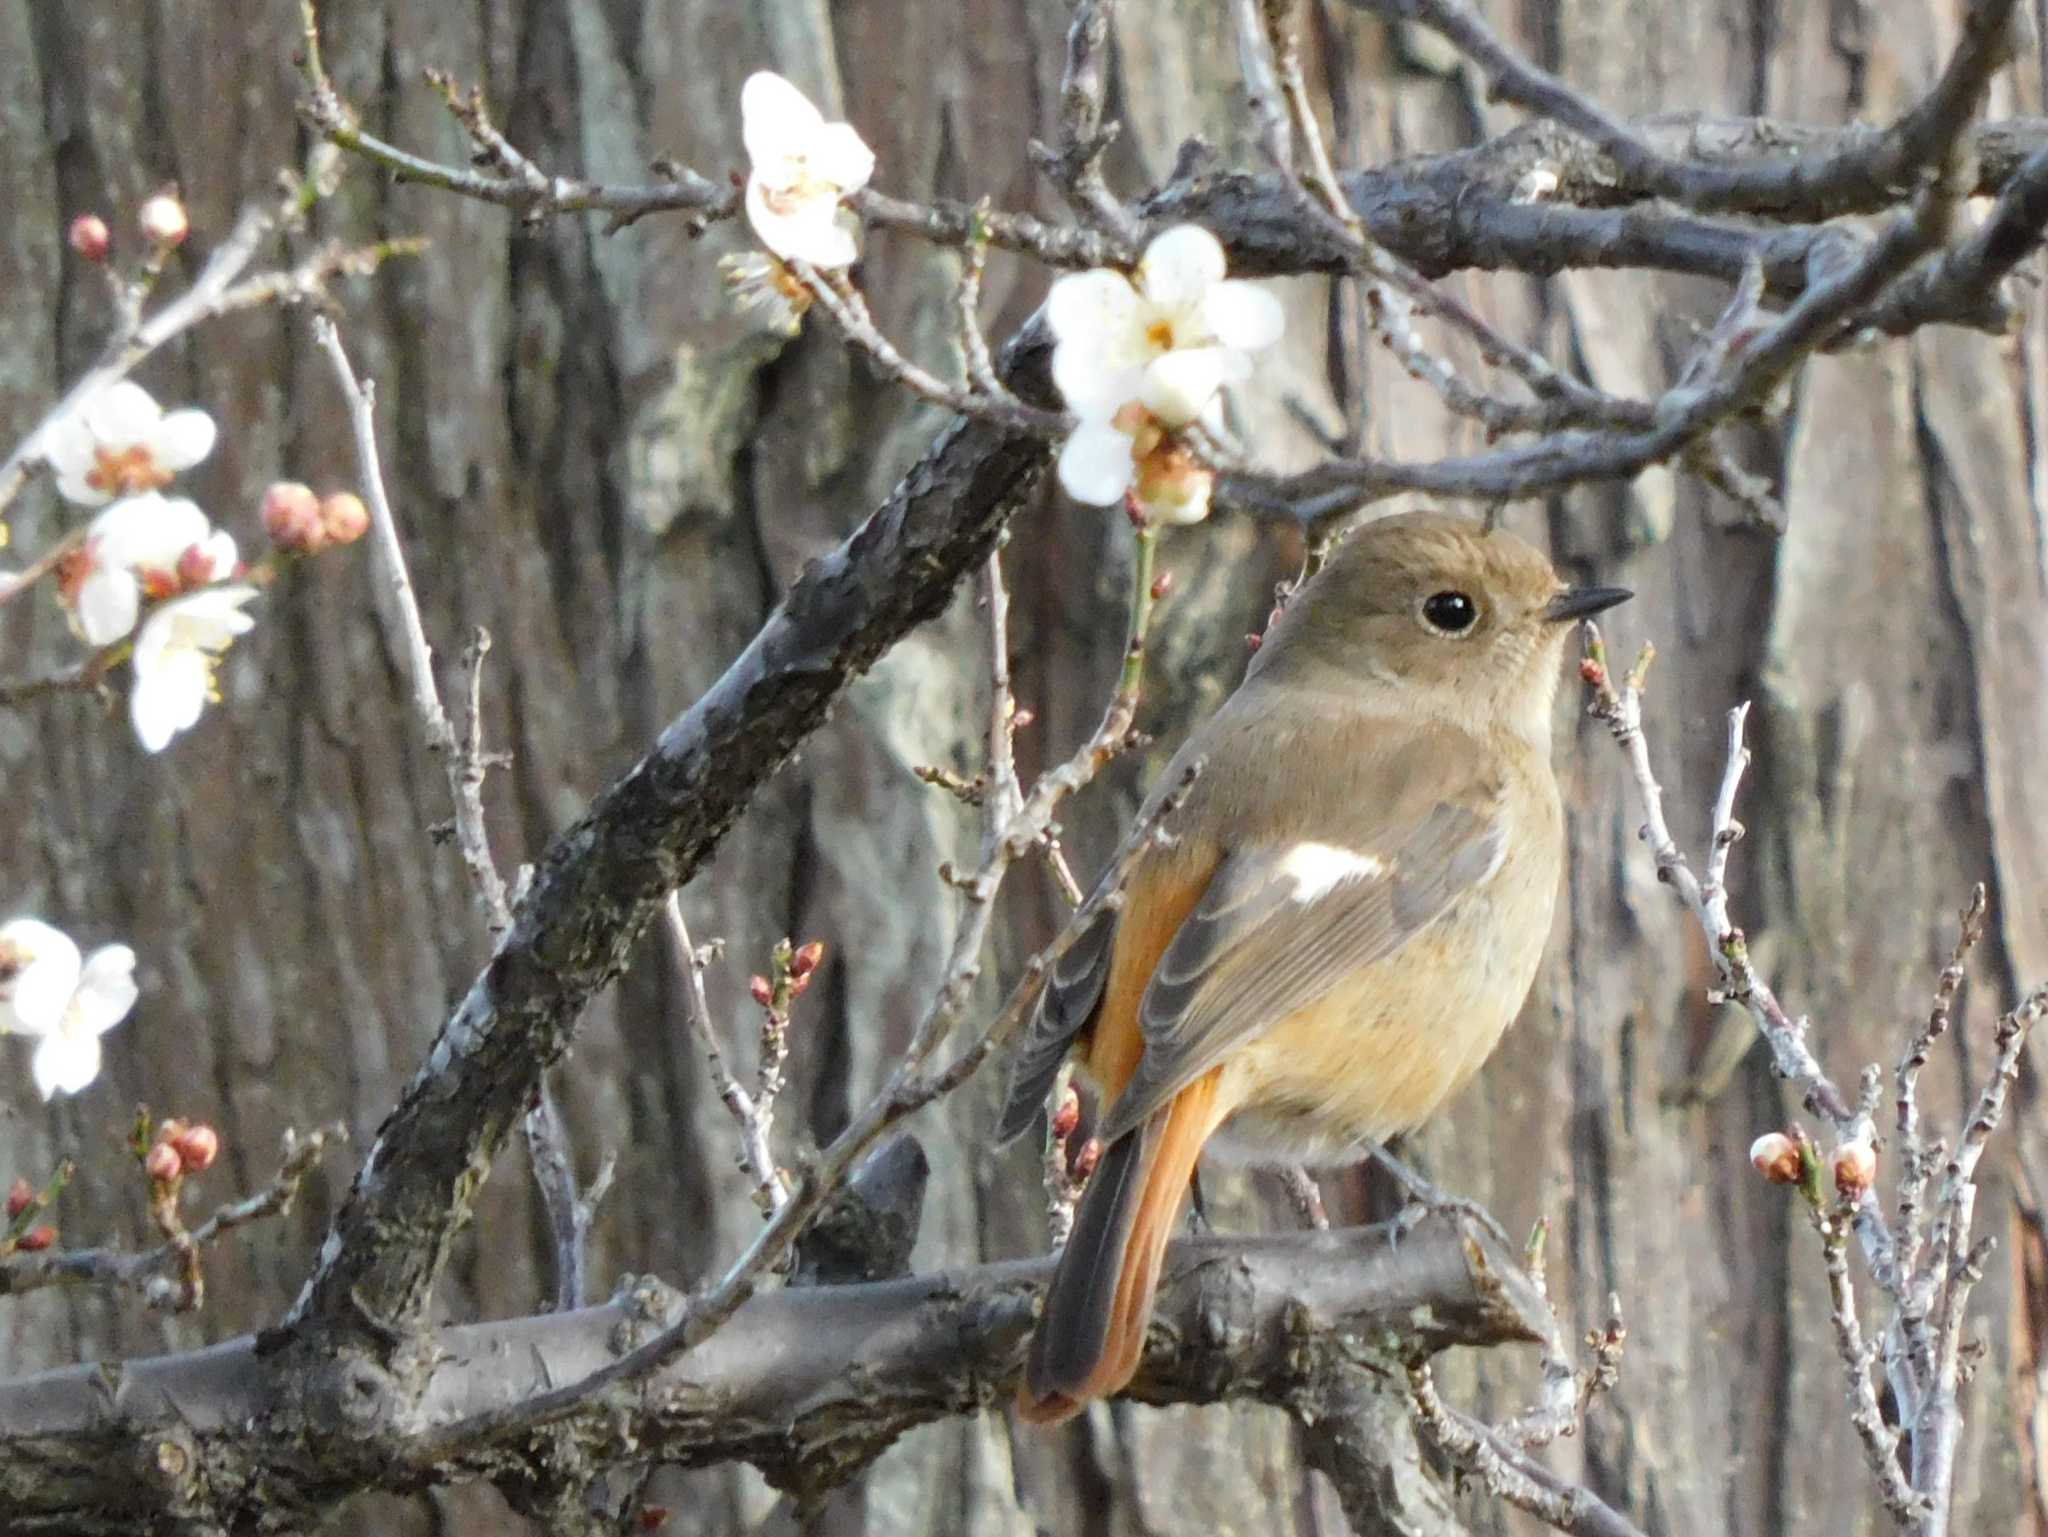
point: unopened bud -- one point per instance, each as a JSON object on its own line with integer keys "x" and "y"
{"x": 20, "y": 1196}
{"x": 36, "y": 1238}
{"x": 1253, "y": 642}
{"x": 1162, "y": 584}
{"x": 1067, "y": 1117}
{"x": 1855, "y": 1170}
{"x": 805, "y": 961}
{"x": 1086, "y": 1160}
{"x": 653, "y": 1517}
{"x": 344, "y": 517}
{"x": 1021, "y": 717}
{"x": 172, "y": 1129}
{"x": 1594, "y": 674}
{"x": 163, "y": 220}
{"x": 291, "y": 517}
{"x": 89, "y": 237}
{"x": 162, "y": 1163}
{"x": 1776, "y": 1157}
{"x": 196, "y": 568}
{"x": 760, "y": 990}
{"x": 198, "y": 1148}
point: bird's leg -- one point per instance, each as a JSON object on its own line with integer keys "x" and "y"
{"x": 1425, "y": 1198}
{"x": 1198, "y": 1209}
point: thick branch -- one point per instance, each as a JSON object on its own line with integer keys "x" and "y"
{"x": 809, "y": 1383}
{"x": 602, "y": 880}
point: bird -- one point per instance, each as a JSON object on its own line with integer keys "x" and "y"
{"x": 1337, "y": 923}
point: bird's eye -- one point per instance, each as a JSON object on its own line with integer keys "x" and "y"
{"x": 1449, "y": 613}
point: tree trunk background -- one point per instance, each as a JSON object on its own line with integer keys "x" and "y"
{"x": 595, "y": 459}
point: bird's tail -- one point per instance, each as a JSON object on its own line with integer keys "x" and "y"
{"x": 1092, "y": 1331}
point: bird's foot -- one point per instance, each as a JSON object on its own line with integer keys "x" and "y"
{"x": 1426, "y": 1199}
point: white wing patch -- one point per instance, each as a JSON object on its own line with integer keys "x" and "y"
{"x": 1319, "y": 868}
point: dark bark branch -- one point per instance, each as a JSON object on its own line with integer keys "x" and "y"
{"x": 602, "y": 880}
{"x": 1864, "y": 170}
{"x": 809, "y": 1383}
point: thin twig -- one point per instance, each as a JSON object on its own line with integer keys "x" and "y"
{"x": 1509, "y": 1473}
{"x": 147, "y": 1271}
{"x": 757, "y": 1157}
{"x": 1880, "y": 1442}
{"x": 911, "y": 1085}
{"x": 843, "y": 302}
{"x": 569, "y": 1212}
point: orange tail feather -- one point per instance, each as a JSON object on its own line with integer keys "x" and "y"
{"x": 1091, "y": 1335}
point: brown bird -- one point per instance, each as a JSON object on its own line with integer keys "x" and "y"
{"x": 1350, "y": 912}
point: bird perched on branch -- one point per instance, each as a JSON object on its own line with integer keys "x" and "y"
{"x": 1347, "y": 913}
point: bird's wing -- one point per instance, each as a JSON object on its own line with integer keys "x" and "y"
{"x": 1282, "y": 923}
{"x": 1072, "y": 995}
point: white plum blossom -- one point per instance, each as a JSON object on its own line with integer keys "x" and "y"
{"x": 67, "y": 1001}
{"x": 1134, "y": 452}
{"x": 149, "y": 545}
{"x": 1140, "y": 358}
{"x": 802, "y": 167}
{"x": 176, "y": 653}
{"x": 1169, "y": 337}
{"x": 119, "y": 442}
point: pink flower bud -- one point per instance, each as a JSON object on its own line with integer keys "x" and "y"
{"x": 760, "y": 991}
{"x": 344, "y": 517}
{"x": 162, "y": 1163}
{"x": 1855, "y": 1170}
{"x": 171, "y": 1129}
{"x": 1086, "y": 1160}
{"x": 1162, "y": 584}
{"x": 805, "y": 961}
{"x": 1776, "y": 1157}
{"x": 19, "y": 1197}
{"x": 1594, "y": 674}
{"x": 196, "y": 569}
{"x": 163, "y": 220}
{"x": 1067, "y": 1117}
{"x": 36, "y": 1238}
{"x": 198, "y": 1148}
{"x": 89, "y": 237}
{"x": 292, "y": 519}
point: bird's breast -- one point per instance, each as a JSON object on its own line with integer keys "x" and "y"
{"x": 1377, "y": 1055}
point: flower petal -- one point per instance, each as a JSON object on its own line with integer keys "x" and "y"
{"x": 1179, "y": 385}
{"x": 1243, "y": 315}
{"x": 183, "y": 438}
{"x": 68, "y": 444}
{"x": 108, "y": 604}
{"x": 1097, "y": 307}
{"x": 65, "y": 1063}
{"x": 809, "y": 231}
{"x": 33, "y": 1001}
{"x": 106, "y": 990}
{"x": 169, "y": 698}
{"x": 1095, "y": 464}
{"x": 841, "y": 156}
{"x": 122, "y": 414}
{"x": 218, "y": 555}
{"x": 777, "y": 122}
{"x": 149, "y": 530}
{"x": 1180, "y": 267}
{"x": 1090, "y": 389}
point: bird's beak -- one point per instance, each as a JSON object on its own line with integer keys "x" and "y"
{"x": 1584, "y": 602}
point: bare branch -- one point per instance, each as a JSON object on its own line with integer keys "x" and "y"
{"x": 1869, "y": 169}
{"x": 149, "y": 1271}
{"x": 757, "y": 1157}
{"x": 1511, "y": 1474}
